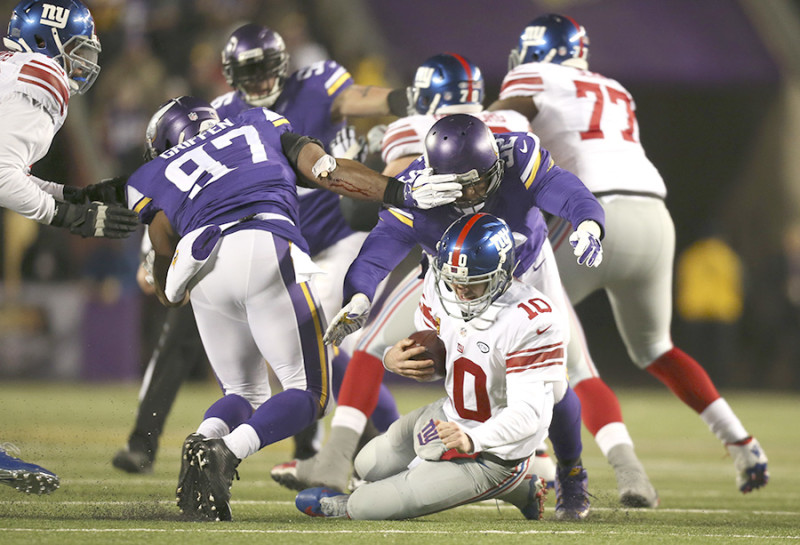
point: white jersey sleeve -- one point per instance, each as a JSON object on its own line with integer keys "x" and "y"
{"x": 406, "y": 136}
{"x": 39, "y": 78}
{"x": 588, "y": 124}
{"x": 25, "y": 139}
{"x": 34, "y": 94}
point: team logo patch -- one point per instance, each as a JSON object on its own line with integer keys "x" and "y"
{"x": 428, "y": 433}
{"x": 483, "y": 347}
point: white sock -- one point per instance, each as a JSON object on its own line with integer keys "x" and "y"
{"x": 243, "y": 441}
{"x": 349, "y": 417}
{"x": 213, "y": 428}
{"x": 611, "y": 435}
{"x": 723, "y": 423}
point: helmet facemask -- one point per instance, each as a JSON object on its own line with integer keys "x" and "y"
{"x": 79, "y": 59}
{"x": 450, "y": 280}
{"x": 476, "y": 188}
{"x": 258, "y": 75}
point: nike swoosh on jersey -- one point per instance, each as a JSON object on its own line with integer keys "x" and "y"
{"x": 524, "y": 148}
{"x": 543, "y": 329}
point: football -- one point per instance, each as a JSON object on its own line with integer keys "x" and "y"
{"x": 434, "y": 350}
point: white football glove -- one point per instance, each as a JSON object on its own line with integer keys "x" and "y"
{"x": 349, "y": 320}
{"x": 147, "y": 265}
{"x": 348, "y": 145}
{"x": 429, "y": 190}
{"x": 585, "y": 241}
{"x": 375, "y": 137}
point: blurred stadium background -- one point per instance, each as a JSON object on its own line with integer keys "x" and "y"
{"x": 718, "y": 98}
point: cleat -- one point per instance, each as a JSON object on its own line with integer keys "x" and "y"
{"x": 322, "y": 502}
{"x": 286, "y": 475}
{"x": 25, "y": 477}
{"x": 750, "y": 462}
{"x": 537, "y": 493}
{"x": 187, "y": 494}
{"x": 132, "y": 461}
{"x": 216, "y": 468}
{"x": 572, "y": 496}
{"x": 330, "y": 467}
{"x": 635, "y": 489}
{"x": 543, "y": 466}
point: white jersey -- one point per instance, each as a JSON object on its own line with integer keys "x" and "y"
{"x": 34, "y": 95}
{"x": 496, "y": 363}
{"x": 588, "y": 123}
{"x": 406, "y": 136}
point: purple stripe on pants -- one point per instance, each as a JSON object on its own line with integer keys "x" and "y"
{"x": 311, "y": 325}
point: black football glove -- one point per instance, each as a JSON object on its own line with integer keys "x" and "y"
{"x": 109, "y": 191}
{"x": 95, "y": 219}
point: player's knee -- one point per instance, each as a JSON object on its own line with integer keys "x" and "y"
{"x": 646, "y": 354}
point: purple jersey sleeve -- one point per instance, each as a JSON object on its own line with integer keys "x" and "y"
{"x": 545, "y": 185}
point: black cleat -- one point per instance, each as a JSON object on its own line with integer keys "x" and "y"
{"x": 217, "y": 468}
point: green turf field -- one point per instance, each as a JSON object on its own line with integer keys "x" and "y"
{"x": 74, "y": 430}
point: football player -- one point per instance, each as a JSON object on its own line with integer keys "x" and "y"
{"x": 316, "y": 100}
{"x": 509, "y": 175}
{"x": 220, "y": 199}
{"x": 50, "y": 55}
{"x": 588, "y": 122}
{"x": 477, "y": 442}
{"x": 444, "y": 84}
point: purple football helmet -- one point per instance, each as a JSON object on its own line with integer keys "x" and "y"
{"x": 476, "y": 250}
{"x": 255, "y": 63}
{"x": 446, "y": 83}
{"x": 61, "y": 29}
{"x": 552, "y": 38}
{"x": 175, "y": 121}
{"x": 462, "y": 144}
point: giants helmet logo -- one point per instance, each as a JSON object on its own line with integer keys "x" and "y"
{"x": 54, "y": 16}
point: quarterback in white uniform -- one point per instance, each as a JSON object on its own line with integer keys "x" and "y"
{"x": 50, "y": 54}
{"x": 505, "y": 356}
{"x": 588, "y": 123}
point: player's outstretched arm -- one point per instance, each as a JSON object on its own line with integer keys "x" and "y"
{"x": 352, "y": 179}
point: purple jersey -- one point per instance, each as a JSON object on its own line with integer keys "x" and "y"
{"x": 531, "y": 181}
{"x": 227, "y": 173}
{"x": 306, "y": 101}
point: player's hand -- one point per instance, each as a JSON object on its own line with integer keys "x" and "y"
{"x": 429, "y": 190}
{"x": 348, "y": 145}
{"x": 398, "y": 360}
{"x": 95, "y": 219}
{"x": 375, "y": 137}
{"x": 585, "y": 241}
{"x": 349, "y": 320}
{"x": 453, "y": 436}
{"x": 109, "y": 191}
